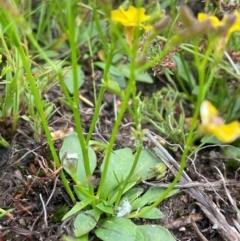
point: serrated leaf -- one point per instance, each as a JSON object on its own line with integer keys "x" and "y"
{"x": 86, "y": 221}
{"x": 156, "y": 233}
{"x": 120, "y": 229}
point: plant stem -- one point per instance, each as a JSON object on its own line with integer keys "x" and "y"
{"x": 202, "y": 91}
{"x": 123, "y": 186}
{"x": 76, "y": 113}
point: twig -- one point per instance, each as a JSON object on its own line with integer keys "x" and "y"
{"x": 232, "y": 63}
{"x": 183, "y": 221}
{"x": 44, "y": 211}
{"x": 185, "y": 185}
{"x": 199, "y": 234}
{"x": 54, "y": 188}
{"x": 53, "y": 191}
{"x": 193, "y": 160}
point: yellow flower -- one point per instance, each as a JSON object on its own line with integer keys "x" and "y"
{"x": 131, "y": 18}
{"x": 230, "y": 21}
{"x": 214, "y": 20}
{"x": 213, "y": 124}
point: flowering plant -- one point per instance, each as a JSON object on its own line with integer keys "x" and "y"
{"x": 131, "y": 19}
{"x": 224, "y": 29}
{"x": 212, "y": 123}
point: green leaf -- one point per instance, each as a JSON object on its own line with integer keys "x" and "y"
{"x": 77, "y": 207}
{"x": 82, "y": 238}
{"x": 184, "y": 71}
{"x": 112, "y": 86}
{"x": 231, "y": 152}
{"x": 156, "y": 233}
{"x": 141, "y": 77}
{"x": 119, "y": 166}
{"x": 113, "y": 195}
{"x": 120, "y": 229}
{"x": 154, "y": 213}
{"x": 78, "y": 189}
{"x": 152, "y": 194}
{"x": 145, "y": 164}
{"x": 113, "y": 70}
{"x": 73, "y": 161}
{"x": 86, "y": 221}
{"x": 68, "y": 79}
{"x": 115, "y": 74}
{"x": 133, "y": 194}
{"x": 139, "y": 236}
{"x": 105, "y": 207}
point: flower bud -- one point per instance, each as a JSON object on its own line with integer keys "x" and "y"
{"x": 163, "y": 23}
{"x": 187, "y": 16}
{"x": 196, "y": 29}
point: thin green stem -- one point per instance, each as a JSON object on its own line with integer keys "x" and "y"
{"x": 126, "y": 96}
{"x": 39, "y": 107}
{"x": 202, "y": 92}
{"x": 75, "y": 108}
{"x": 101, "y": 93}
{"x": 96, "y": 114}
{"x": 123, "y": 186}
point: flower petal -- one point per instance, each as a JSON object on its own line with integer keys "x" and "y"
{"x": 132, "y": 17}
{"x": 214, "y": 20}
{"x": 120, "y": 16}
{"x": 225, "y": 133}
{"x": 207, "y": 112}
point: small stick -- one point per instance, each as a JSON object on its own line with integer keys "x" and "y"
{"x": 185, "y": 185}
{"x": 44, "y": 210}
{"x": 199, "y": 234}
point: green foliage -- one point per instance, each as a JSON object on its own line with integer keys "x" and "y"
{"x": 69, "y": 77}
{"x": 123, "y": 229}
{"x": 47, "y": 45}
{"x": 165, "y": 111}
{"x": 4, "y": 213}
{"x": 59, "y": 212}
{"x": 118, "y": 186}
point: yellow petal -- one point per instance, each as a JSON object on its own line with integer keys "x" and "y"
{"x": 214, "y": 20}
{"x": 207, "y": 112}
{"x": 120, "y": 16}
{"x": 140, "y": 15}
{"x": 236, "y": 25}
{"x": 132, "y": 17}
{"x": 225, "y": 133}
